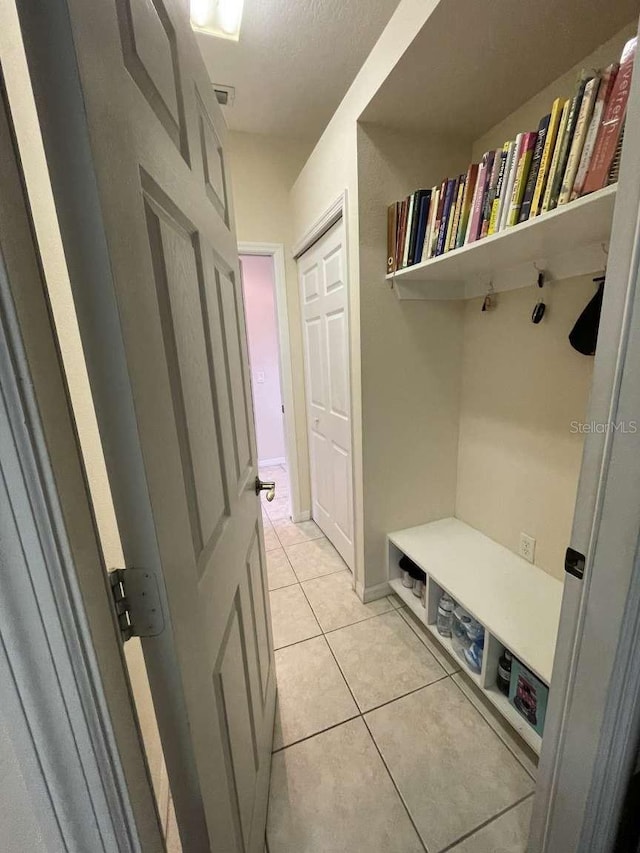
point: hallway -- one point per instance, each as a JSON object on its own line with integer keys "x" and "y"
{"x": 380, "y": 744}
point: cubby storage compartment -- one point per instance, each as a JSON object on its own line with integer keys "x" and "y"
{"x": 517, "y": 604}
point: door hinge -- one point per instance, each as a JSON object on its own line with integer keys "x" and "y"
{"x": 136, "y": 602}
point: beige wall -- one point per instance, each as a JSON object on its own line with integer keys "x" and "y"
{"x": 59, "y": 288}
{"x": 523, "y": 385}
{"x": 263, "y": 170}
{"x": 411, "y": 355}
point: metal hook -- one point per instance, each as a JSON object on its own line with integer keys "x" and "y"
{"x": 489, "y": 300}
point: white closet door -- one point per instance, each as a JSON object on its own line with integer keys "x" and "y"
{"x": 324, "y": 298}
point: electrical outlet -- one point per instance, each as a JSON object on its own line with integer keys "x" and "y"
{"x": 527, "y": 547}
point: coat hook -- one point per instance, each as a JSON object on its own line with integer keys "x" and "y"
{"x": 489, "y": 300}
{"x": 539, "y": 308}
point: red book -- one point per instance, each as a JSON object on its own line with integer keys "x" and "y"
{"x": 612, "y": 123}
{"x": 484, "y": 175}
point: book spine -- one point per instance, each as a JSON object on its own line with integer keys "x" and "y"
{"x": 467, "y": 201}
{"x": 527, "y": 198}
{"x": 491, "y": 193}
{"x": 504, "y": 199}
{"x": 473, "y": 230}
{"x": 513, "y": 169}
{"x": 450, "y": 216}
{"x": 567, "y": 141}
{"x": 556, "y": 156}
{"x": 402, "y": 224}
{"x": 433, "y": 208}
{"x": 451, "y": 243}
{"x": 604, "y": 91}
{"x": 392, "y": 225}
{"x": 575, "y": 153}
{"x": 438, "y": 219}
{"x": 547, "y": 156}
{"x": 522, "y": 173}
{"x": 407, "y": 235}
{"x": 495, "y": 204}
{"x": 611, "y": 126}
{"x": 419, "y": 195}
{"x": 423, "y": 213}
{"x": 446, "y": 213}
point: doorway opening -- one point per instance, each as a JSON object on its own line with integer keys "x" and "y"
{"x": 265, "y": 301}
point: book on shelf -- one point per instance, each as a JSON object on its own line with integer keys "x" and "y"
{"x": 534, "y": 169}
{"x": 494, "y": 216}
{"x": 446, "y": 213}
{"x": 575, "y": 150}
{"x": 433, "y": 207}
{"x": 421, "y": 227}
{"x": 555, "y": 160}
{"x": 475, "y": 218}
{"x": 418, "y": 197}
{"x": 467, "y": 201}
{"x": 490, "y": 195}
{"x": 451, "y": 242}
{"x": 451, "y": 216}
{"x": 579, "y": 136}
{"x": 407, "y": 234}
{"x": 564, "y": 145}
{"x": 522, "y": 173}
{"x": 438, "y": 219}
{"x": 510, "y": 180}
{"x": 612, "y": 122}
{"x": 547, "y": 157}
{"x": 604, "y": 91}
{"x": 392, "y": 230}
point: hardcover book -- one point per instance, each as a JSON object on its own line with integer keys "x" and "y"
{"x": 547, "y": 156}
{"x": 505, "y": 158}
{"x": 612, "y": 123}
{"x": 510, "y": 181}
{"x": 475, "y": 219}
{"x": 565, "y": 148}
{"x": 556, "y": 156}
{"x": 438, "y": 219}
{"x": 418, "y": 196}
{"x": 433, "y": 209}
{"x": 392, "y": 226}
{"x": 407, "y": 235}
{"x": 491, "y": 193}
{"x": 467, "y": 201}
{"x": 446, "y": 213}
{"x": 604, "y": 91}
{"x": 522, "y": 173}
{"x": 421, "y": 229}
{"x": 451, "y": 242}
{"x": 579, "y": 136}
{"x": 530, "y": 187}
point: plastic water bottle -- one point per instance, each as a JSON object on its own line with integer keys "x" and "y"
{"x": 445, "y": 615}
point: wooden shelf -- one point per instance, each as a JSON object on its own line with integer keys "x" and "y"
{"x": 566, "y": 242}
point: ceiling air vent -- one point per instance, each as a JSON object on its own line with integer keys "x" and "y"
{"x": 226, "y": 95}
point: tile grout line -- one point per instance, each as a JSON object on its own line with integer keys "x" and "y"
{"x": 397, "y": 790}
{"x": 320, "y": 732}
{"x": 501, "y": 739}
{"x": 486, "y": 823}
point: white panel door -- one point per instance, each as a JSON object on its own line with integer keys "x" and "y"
{"x": 135, "y": 142}
{"x": 324, "y": 300}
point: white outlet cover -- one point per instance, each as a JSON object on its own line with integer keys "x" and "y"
{"x": 527, "y": 547}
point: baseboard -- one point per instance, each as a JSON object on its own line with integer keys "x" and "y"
{"x": 372, "y": 593}
{"x": 267, "y": 463}
{"x": 301, "y": 516}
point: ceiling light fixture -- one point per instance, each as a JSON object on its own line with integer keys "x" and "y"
{"x": 221, "y": 18}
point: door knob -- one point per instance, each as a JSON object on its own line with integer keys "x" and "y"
{"x": 269, "y": 488}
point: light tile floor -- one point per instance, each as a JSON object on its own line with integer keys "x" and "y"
{"x": 380, "y": 745}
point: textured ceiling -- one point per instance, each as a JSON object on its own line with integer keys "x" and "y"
{"x": 294, "y": 61}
